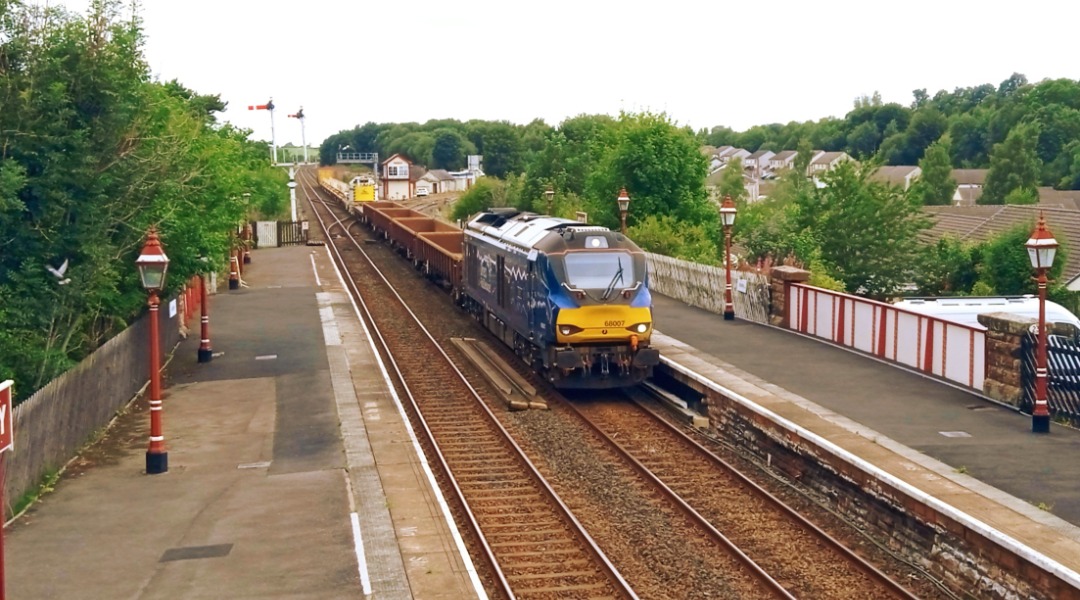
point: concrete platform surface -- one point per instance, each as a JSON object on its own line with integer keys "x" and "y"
{"x": 291, "y": 472}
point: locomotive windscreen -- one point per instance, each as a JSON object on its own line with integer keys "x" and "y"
{"x": 599, "y": 270}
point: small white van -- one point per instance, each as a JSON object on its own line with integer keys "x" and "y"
{"x": 966, "y": 309}
{"x": 421, "y": 191}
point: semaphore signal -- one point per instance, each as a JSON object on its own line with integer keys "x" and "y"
{"x": 273, "y": 141}
{"x": 303, "y": 138}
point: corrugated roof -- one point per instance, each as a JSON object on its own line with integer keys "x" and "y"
{"x": 895, "y": 175}
{"x": 969, "y": 176}
{"x": 980, "y": 223}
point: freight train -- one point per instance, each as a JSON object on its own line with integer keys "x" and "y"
{"x": 571, "y": 299}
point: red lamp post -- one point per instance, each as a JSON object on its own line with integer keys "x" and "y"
{"x": 1041, "y": 248}
{"x": 727, "y": 218}
{"x": 624, "y": 206}
{"x": 205, "y": 352}
{"x": 153, "y": 264}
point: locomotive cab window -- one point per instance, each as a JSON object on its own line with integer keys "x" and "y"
{"x": 600, "y": 270}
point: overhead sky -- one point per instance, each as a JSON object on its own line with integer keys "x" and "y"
{"x": 704, "y": 63}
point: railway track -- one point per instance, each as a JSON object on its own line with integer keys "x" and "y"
{"x": 800, "y": 558}
{"x": 661, "y": 546}
{"x": 511, "y": 511}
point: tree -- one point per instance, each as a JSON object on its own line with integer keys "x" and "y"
{"x": 1006, "y": 267}
{"x": 949, "y": 267}
{"x": 1014, "y": 168}
{"x": 92, "y": 152}
{"x": 671, "y": 237}
{"x": 867, "y": 231}
{"x": 661, "y": 167}
{"x": 733, "y": 182}
{"x": 502, "y": 150}
{"x": 935, "y": 186}
{"x": 449, "y": 150}
{"x": 863, "y": 141}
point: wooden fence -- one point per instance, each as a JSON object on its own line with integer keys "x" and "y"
{"x": 60, "y": 418}
{"x": 703, "y": 286}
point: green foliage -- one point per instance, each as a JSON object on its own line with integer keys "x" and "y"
{"x": 732, "y": 183}
{"x": 92, "y": 152}
{"x": 949, "y": 267}
{"x": 487, "y": 192}
{"x": 449, "y": 150}
{"x": 1014, "y": 168}
{"x": 867, "y": 231}
{"x": 660, "y": 165}
{"x": 935, "y": 186}
{"x": 1006, "y": 268}
{"x": 671, "y": 237}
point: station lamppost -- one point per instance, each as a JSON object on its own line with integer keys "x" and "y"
{"x": 206, "y": 353}
{"x": 624, "y": 206}
{"x": 153, "y": 264}
{"x": 727, "y": 218}
{"x": 550, "y": 194}
{"x": 1041, "y": 248}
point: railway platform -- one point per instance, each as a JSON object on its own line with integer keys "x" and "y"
{"x": 292, "y": 473}
{"x": 955, "y": 446}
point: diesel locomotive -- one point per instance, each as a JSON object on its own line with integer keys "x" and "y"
{"x": 571, "y": 299}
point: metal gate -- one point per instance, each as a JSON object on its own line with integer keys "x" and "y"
{"x": 1063, "y": 378}
{"x": 292, "y": 233}
{"x": 266, "y": 234}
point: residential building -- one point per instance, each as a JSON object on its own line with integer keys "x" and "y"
{"x": 901, "y": 176}
{"x": 969, "y": 185}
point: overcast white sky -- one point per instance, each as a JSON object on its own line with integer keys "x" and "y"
{"x": 704, "y": 63}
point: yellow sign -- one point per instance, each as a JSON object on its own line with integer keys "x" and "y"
{"x": 364, "y": 192}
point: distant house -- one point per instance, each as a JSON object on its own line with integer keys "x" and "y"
{"x": 437, "y": 181}
{"x": 724, "y": 155}
{"x": 900, "y": 176}
{"x": 396, "y": 184}
{"x": 782, "y": 160}
{"x": 758, "y": 161}
{"x": 969, "y": 186}
{"x": 826, "y": 161}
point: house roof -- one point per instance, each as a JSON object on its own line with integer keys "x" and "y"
{"x": 760, "y": 153}
{"x": 827, "y": 158}
{"x": 397, "y": 155}
{"x": 440, "y": 174}
{"x": 785, "y": 155}
{"x": 980, "y": 223}
{"x": 1049, "y": 197}
{"x": 969, "y": 176}
{"x": 895, "y": 175}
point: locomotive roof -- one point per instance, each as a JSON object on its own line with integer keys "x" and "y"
{"x": 528, "y": 230}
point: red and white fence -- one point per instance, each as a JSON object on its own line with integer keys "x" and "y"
{"x": 927, "y": 344}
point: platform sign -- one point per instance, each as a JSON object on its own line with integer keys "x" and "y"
{"x": 7, "y": 436}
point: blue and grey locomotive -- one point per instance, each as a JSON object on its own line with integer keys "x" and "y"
{"x": 572, "y": 299}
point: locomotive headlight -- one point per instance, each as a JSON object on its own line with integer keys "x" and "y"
{"x": 569, "y": 329}
{"x": 640, "y": 327}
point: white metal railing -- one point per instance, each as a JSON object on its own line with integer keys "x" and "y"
{"x": 928, "y": 344}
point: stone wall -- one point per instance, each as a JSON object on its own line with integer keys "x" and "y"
{"x": 781, "y": 279}
{"x": 1004, "y": 333}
